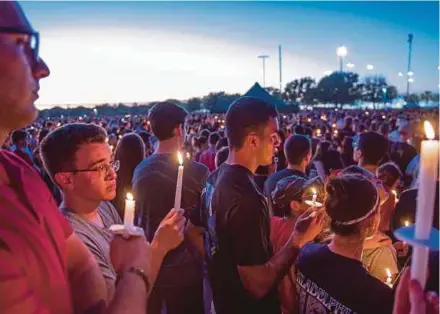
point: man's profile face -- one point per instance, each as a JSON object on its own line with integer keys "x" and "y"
{"x": 94, "y": 185}
{"x": 20, "y": 68}
{"x": 268, "y": 143}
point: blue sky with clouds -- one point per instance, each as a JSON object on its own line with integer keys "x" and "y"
{"x": 145, "y": 51}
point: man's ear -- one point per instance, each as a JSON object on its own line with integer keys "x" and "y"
{"x": 64, "y": 180}
{"x": 179, "y": 130}
{"x": 252, "y": 140}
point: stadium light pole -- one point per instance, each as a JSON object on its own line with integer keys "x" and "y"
{"x": 341, "y": 52}
{"x": 264, "y": 57}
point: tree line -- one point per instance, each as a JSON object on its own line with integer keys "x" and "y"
{"x": 337, "y": 88}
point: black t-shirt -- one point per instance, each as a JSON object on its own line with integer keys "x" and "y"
{"x": 154, "y": 185}
{"x": 330, "y": 283}
{"x": 237, "y": 233}
{"x": 402, "y": 153}
{"x": 271, "y": 182}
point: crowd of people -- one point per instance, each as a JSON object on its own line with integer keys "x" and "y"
{"x": 280, "y": 213}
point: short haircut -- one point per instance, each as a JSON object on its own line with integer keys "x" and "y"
{"x": 246, "y": 115}
{"x": 202, "y": 141}
{"x": 164, "y": 117}
{"x": 214, "y": 138}
{"x": 298, "y": 129}
{"x": 296, "y": 148}
{"x": 205, "y": 133}
{"x": 374, "y": 147}
{"x": 223, "y": 142}
{"x": 389, "y": 173}
{"x": 18, "y": 136}
{"x": 384, "y": 128}
{"x": 59, "y": 147}
{"x": 221, "y": 156}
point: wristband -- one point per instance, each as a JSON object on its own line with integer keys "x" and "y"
{"x": 138, "y": 271}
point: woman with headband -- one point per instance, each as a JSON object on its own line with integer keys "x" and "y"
{"x": 330, "y": 277}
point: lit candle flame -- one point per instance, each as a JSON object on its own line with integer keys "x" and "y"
{"x": 388, "y": 272}
{"x": 406, "y": 223}
{"x": 129, "y": 196}
{"x": 180, "y": 158}
{"x": 314, "y": 191}
{"x": 429, "y": 130}
{"x": 333, "y": 125}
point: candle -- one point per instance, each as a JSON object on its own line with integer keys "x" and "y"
{"x": 395, "y": 196}
{"x": 129, "y": 211}
{"x": 318, "y": 132}
{"x": 429, "y": 158}
{"x": 335, "y": 132}
{"x": 389, "y": 281}
{"x": 309, "y": 120}
{"x": 315, "y": 195}
{"x": 313, "y": 202}
{"x": 406, "y": 223}
{"x": 178, "y": 198}
{"x": 333, "y": 125}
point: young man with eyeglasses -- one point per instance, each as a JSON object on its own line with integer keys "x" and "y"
{"x": 44, "y": 266}
{"x": 79, "y": 160}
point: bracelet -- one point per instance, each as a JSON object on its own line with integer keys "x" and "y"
{"x": 138, "y": 271}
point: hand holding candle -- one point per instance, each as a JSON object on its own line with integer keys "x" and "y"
{"x": 178, "y": 198}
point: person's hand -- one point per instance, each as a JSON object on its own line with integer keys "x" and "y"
{"x": 170, "y": 232}
{"x": 308, "y": 226}
{"x": 402, "y": 248}
{"x": 379, "y": 240}
{"x": 131, "y": 252}
{"x": 411, "y": 299}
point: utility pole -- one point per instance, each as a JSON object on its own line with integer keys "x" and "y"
{"x": 264, "y": 57}
{"x": 281, "y": 69}
{"x": 410, "y": 39}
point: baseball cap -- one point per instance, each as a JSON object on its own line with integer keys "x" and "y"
{"x": 288, "y": 189}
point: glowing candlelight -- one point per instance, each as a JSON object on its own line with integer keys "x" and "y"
{"x": 406, "y": 223}
{"x": 313, "y": 202}
{"x": 333, "y": 125}
{"x": 389, "y": 281}
{"x": 429, "y": 159}
{"x": 309, "y": 120}
{"x": 178, "y": 198}
{"x": 129, "y": 211}
{"x": 395, "y": 196}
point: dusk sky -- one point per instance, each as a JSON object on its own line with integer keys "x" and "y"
{"x": 102, "y": 52}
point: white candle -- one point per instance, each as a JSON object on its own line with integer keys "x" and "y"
{"x": 178, "y": 198}
{"x": 315, "y": 195}
{"x": 389, "y": 281}
{"x": 129, "y": 211}
{"x": 396, "y": 200}
{"x": 429, "y": 158}
{"x": 313, "y": 202}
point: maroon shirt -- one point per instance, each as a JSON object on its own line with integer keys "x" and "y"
{"x": 33, "y": 233}
{"x": 208, "y": 158}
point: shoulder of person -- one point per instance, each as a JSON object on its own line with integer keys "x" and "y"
{"x": 111, "y": 211}
{"x": 199, "y": 167}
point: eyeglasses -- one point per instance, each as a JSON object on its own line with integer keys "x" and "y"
{"x": 32, "y": 44}
{"x": 103, "y": 170}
